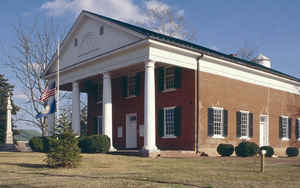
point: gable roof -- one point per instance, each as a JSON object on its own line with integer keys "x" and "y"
{"x": 185, "y": 44}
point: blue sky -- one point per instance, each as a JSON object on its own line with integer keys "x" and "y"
{"x": 271, "y": 26}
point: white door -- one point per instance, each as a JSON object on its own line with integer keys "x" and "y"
{"x": 264, "y": 130}
{"x": 131, "y": 137}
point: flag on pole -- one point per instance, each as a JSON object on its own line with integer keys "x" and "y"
{"x": 49, "y": 91}
{"x": 49, "y": 109}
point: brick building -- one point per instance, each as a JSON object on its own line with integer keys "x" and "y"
{"x": 154, "y": 92}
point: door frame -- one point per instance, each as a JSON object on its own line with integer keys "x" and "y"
{"x": 126, "y": 128}
{"x": 263, "y": 131}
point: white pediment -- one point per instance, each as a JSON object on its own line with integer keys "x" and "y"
{"x": 93, "y": 37}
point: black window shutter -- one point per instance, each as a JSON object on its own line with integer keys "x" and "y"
{"x": 238, "y": 124}
{"x": 177, "y": 121}
{"x": 177, "y": 71}
{"x": 160, "y": 122}
{"x": 95, "y": 125}
{"x": 280, "y": 127}
{"x": 250, "y": 125}
{"x": 297, "y": 128}
{"x": 137, "y": 84}
{"x": 124, "y": 86}
{"x": 160, "y": 79}
{"x": 225, "y": 123}
{"x": 210, "y": 122}
{"x": 290, "y": 127}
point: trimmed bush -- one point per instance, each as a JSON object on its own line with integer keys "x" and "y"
{"x": 64, "y": 152}
{"x": 246, "y": 149}
{"x": 42, "y": 143}
{"x": 225, "y": 150}
{"x": 292, "y": 151}
{"x": 94, "y": 144}
{"x": 269, "y": 149}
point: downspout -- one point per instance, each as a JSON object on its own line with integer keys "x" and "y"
{"x": 198, "y": 104}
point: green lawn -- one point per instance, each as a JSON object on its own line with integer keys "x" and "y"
{"x": 98, "y": 170}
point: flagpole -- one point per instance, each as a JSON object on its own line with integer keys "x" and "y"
{"x": 57, "y": 85}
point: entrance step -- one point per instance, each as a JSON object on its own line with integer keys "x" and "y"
{"x": 126, "y": 152}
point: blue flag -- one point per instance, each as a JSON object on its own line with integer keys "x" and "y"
{"x": 49, "y": 109}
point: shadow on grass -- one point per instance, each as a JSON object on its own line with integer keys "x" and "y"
{"x": 26, "y": 165}
{"x": 143, "y": 179}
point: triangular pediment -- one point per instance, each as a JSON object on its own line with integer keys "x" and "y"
{"x": 91, "y": 36}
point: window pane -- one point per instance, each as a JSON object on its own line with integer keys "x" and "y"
{"x": 285, "y": 127}
{"x": 131, "y": 85}
{"x": 218, "y": 122}
{"x": 244, "y": 124}
{"x": 169, "y": 122}
{"x": 169, "y": 78}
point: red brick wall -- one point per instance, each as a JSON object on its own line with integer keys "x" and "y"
{"x": 234, "y": 95}
{"x": 184, "y": 97}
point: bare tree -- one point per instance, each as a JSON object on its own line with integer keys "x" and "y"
{"x": 247, "y": 52}
{"x": 33, "y": 50}
{"x": 167, "y": 20}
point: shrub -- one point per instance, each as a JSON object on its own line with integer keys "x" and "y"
{"x": 292, "y": 151}
{"x": 41, "y": 144}
{"x": 246, "y": 149}
{"x": 64, "y": 152}
{"x": 225, "y": 149}
{"x": 94, "y": 144}
{"x": 36, "y": 144}
{"x": 269, "y": 149}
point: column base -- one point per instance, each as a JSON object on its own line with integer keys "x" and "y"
{"x": 150, "y": 153}
{"x": 112, "y": 149}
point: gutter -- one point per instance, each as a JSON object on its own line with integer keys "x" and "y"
{"x": 198, "y": 105}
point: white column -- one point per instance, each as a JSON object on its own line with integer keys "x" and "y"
{"x": 9, "y": 135}
{"x": 149, "y": 108}
{"x": 76, "y": 108}
{"x": 107, "y": 109}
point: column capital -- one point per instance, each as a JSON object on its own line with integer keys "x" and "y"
{"x": 75, "y": 84}
{"x": 106, "y": 75}
{"x": 149, "y": 64}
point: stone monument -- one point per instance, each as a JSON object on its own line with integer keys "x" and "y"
{"x": 9, "y": 134}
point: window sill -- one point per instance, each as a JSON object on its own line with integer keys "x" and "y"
{"x": 285, "y": 139}
{"x": 245, "y": 138}
{"x": 169, "y": 137}
{"x": 130, "y": 97}
{"x": 168, "y": 90}
{"x": 99, "y": 102}
{"x": 218, "y": 136}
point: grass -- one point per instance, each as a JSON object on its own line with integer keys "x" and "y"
{"x": 100, "y": 170}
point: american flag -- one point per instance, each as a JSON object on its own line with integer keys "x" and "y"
{"x": 49, "y": 91}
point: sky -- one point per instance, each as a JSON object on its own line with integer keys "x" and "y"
{"x": 271, "y": 27}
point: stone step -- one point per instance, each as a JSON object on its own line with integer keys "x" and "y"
{"x": 8, "y": 147}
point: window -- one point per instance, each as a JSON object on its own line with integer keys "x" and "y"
{"x": 120, "y": 132}
{"x": 169, "y": 78}
{"x": 99, "y": 125}
{"x": 244, "y": 124}
{"x": 131, "y": 86}
{"x": 217, "y": 122}
{"x": 169, "y": 122}
{"x": 101, "y": 30}
{"x": 75, "y": 42}
{"x": 285, "y": 127}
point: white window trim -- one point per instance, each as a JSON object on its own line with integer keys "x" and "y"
{"x": 168, "y": 136}
{"x": 287, "y": 128}
{"x": 165, "y": 90}
{"x": 246, "y": 137}
{"x": 219, "y": 108}
{"x": 130, "y": 96}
